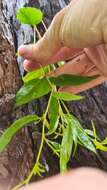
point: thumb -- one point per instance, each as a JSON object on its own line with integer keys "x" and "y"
{"x": 48, "y": 45}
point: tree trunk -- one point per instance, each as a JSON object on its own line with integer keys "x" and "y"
{"x": 17, "y": 160}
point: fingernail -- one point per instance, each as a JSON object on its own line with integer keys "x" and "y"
{"x": 23, "y": 50}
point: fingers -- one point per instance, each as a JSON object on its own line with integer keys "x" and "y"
{"x": 71, "y": 28}
{"x": 83, "y": 87}
{"x": 63, "y": 54}
{"x": 80, "y": 30}
{"x": 78, "y": 179}
{"x": 48, "y": 45}
{"x": 47, "y": 50}
{"x": 98, "y": 55}
{"x": 30, "y": 65}
{"x": 83, "y": 66}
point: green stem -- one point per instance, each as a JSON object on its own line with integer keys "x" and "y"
{"x": 44, "y": 25}
{"x": 18, "y": 186}
{"x": 35, "y": 30}
{"x": 47, "y": 142}
{"x": 34, "y": 34}
{"x": 58, "y": 134}
{"x": 38, "y": 33}
{"x": 42, "y": 141}
{"x": 65, "y": 107}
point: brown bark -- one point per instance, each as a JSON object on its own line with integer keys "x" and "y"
{"x": 17, "y": 159}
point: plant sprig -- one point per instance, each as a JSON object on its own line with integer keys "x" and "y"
{"x": 57, "y": 121}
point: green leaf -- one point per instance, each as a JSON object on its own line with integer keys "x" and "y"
{"x": 67, "y": 96}
{"x": 85, "y": 140}
{"x": 91, "y": 133}
{"x": 104, "y": 141}
{"x": 35, "y": 74}
{"x": 56, "y": 145}
{"x": 69, "y": 121}
{"x": 34, "y": 89}
{"x": 100, "y": 146}
{"x": 66, "y": 80}
{"x": 66, "y": 148}
{"x": 53, "y": 114}
{"x": 26, "y": 92}
{"x": 61, "y": 63}
{"x": 29, "y": 15}
{"x": 14, "y": 128}
{"x": 82, "y": 136}
{"x": 75, "y": 139}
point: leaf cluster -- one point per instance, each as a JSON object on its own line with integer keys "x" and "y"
{"x": 57, "y": 121}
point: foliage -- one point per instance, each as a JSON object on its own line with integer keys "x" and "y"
{"x": 33, "y": 89}
{"x": 57, "y": 121}
{"x": 29, "y": 15}
{"x": 14, "y": 128}
{"x": 66, "y": 80}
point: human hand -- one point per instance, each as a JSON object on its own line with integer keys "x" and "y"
{"x": 78, "y": 179}
{"x": 79, "y": 26}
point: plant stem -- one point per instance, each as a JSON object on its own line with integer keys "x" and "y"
{"x": 34, "y": 34}
{"x": 18, "y": 186}
{"x": 44, "y": 25}
{"x": 47, "y": 142}
{"x": 38, "y": 33}
{"x": 42, "y": 140}
{"x": 65, "y": 107}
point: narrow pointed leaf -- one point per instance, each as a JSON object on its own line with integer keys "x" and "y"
{"x": 35, "y": 74}
{"x": 81, "y": 134}
{"x": 29, "y": 15}
{"x": 75, "y": 139}
{"x": 14, "y": 128}
{"x": 53, "y": 114}
{"x": 66, "y": 80}
{"x": 91, "y": 134}
{"x": 100, "y": 146}
{"x": 67, "y": 96}
{"x": 85, "y": 140}
{"x": 32, "y": 90}
{"x": 56, "y": 145}
{"x": 69, "y": 121}
{"x": 104, "y": 141}
{"x": 66, "y": 148}
{"x": 83, "y": 137}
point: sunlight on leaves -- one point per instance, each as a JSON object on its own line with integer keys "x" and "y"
{"x": 29, "y": 15}
{"x": 34, "y": 89}
{"x": 35, "y": 74}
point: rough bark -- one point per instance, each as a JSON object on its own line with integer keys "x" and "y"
{"x": 18, "y": 155}
{"x": 18, "y": 158}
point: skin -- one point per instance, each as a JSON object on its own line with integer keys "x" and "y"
{"x": 77, "y": 33}
{"x": 70, "y": 32}
{"x": 79, "y": 179}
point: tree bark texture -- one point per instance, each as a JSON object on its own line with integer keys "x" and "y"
{"x": 17, "y": 160}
